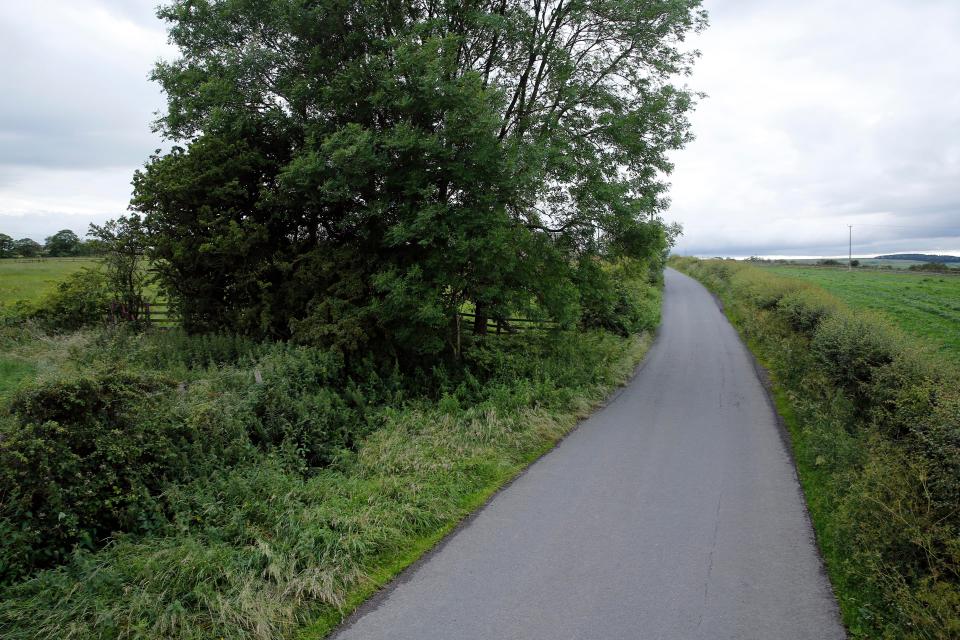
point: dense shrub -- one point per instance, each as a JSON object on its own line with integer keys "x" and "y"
{"x": 761, "y": 289}
{"x": 255, "y": 540}
{"x": 617, "y": 297}
{"x": 851, "y": 347}
{"x": 89, "y": 455}
{"x": 805, "y": 307}
{"x": 877, "y": 438}
{"x": 81, "y": 299}
{"x": 81, "y": 460}
{"x": 935, "y": 267}
{"x": 298, "y": 407}
{"x": 174, "y": 348}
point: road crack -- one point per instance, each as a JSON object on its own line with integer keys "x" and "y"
{"x": 713, "y": 548}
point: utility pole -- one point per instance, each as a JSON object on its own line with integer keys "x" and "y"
{"x": 850, "y": 254}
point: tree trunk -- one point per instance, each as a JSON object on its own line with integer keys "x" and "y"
{"x": 480, "y": 321}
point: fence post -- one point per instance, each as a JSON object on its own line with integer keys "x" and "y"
{"x": 458, "y": 334}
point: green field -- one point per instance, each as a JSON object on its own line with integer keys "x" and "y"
{"x": 926, "y": 305}
{"x": 30, "y": 280}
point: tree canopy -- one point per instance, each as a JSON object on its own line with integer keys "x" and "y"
{"x": 354, "y": 173}
{"x": 61, "y": 244}
{"x": 7, "y": 245}
{"x": 27, "y": 248}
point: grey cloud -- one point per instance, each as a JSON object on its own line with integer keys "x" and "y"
{"x": 78, "y": 94}
{"x": 823, "y": 114}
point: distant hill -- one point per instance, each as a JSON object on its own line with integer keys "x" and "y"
{"x": 921, "y": 257}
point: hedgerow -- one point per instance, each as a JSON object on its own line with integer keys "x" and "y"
{"x": 875, "y": 420}
{"x": 165, "y": 485}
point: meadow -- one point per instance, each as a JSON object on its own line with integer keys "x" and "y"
{"x": 23, "y": 280}
{"x": 29, "y": 281}
{"x": 923, "y": 304}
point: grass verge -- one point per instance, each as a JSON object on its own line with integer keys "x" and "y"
{"x": 246, "y": 538}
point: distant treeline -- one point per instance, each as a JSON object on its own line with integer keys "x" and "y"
{"x": 920, "y": 257}
{"x": 62, "y": 244}
{"x": 935, "y": 267}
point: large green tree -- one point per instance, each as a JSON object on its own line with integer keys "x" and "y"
{"x": 7, "y": 245}
{"x": 62, "y": 244}
{"x": 27, "y": 248}
{"x": 353, "y": 172}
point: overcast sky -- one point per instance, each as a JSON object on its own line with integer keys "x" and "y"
{"x": 820, "y": 114}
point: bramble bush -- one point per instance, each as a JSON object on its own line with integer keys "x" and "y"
{"x": 89, "y": 455}
{"x": 876, "y": 429}
{"x": 80, "y": 459}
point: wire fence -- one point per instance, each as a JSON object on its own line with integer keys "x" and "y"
{"x": 52, "y": 259}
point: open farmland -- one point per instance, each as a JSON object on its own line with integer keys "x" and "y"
{"x": 924, "y": 304}
{"x": 30, "y": 280}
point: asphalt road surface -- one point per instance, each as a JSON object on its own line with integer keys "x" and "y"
{"x": 672, "y": 513}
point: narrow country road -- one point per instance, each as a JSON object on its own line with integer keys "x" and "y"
{"x": 672, "y": 513}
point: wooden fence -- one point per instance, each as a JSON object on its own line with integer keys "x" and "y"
{"x": 511, "y": 325}
{"x": 159, "y": 314}
{"x": 156, "y": 314}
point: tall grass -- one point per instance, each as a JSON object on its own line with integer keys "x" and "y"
{"x": 287, "y": 495}
{"x": 874, "y": 416}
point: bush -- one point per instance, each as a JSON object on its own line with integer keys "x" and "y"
{"x": 851, "y": 347}
{"x": 82, "y": 299}
{"x": 761, "y": 288}
{"x": 175, "y": 348}
{"x": 86, "y": 456}
{"x": 617, "y": 297}
{"x": 805, "y": 307}
{"x": 297, "y": 408}
{"x": 78, "y": 463}
{"x": 934, "y": 267}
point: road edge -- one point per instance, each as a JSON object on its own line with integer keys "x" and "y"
{"x": 373, "y": 602}
{"x": 766, "y": 380}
